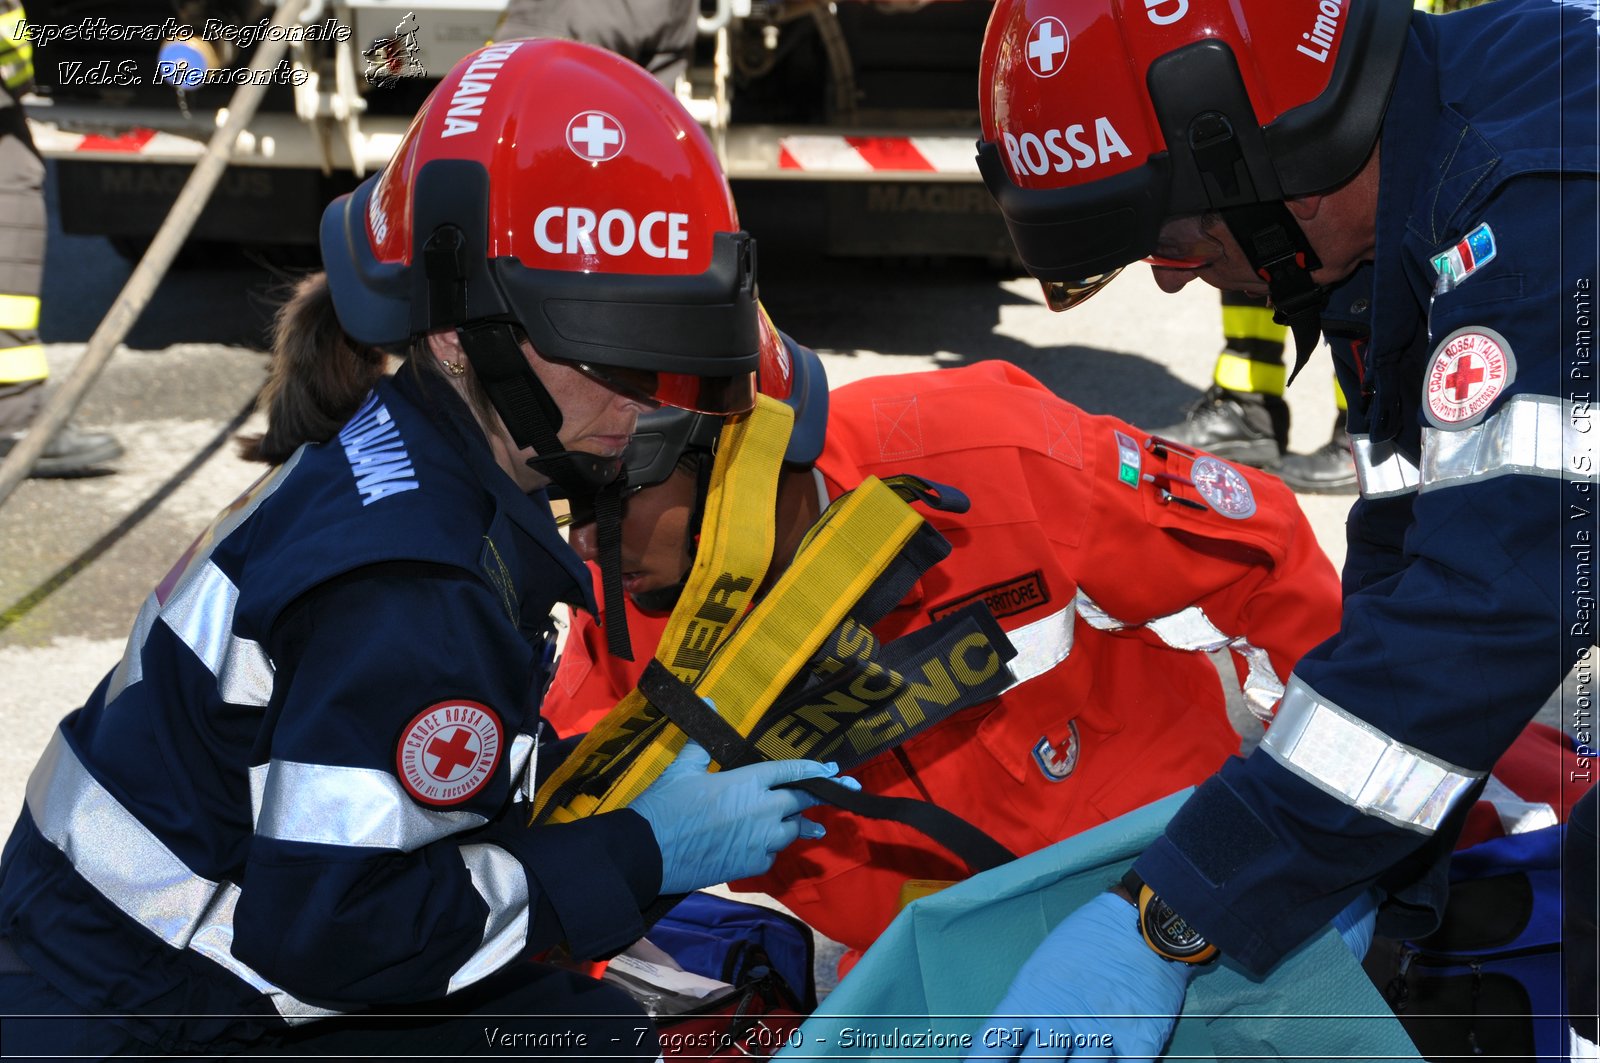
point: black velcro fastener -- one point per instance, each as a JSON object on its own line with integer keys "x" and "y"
{"x": 1222, "y": 833}
{"x": 679, "y": 703}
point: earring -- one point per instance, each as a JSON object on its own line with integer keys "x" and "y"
{"x": 455, "y": 368}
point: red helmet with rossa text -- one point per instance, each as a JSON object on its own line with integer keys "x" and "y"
{"x": 559, "y": 187}
{"x": 1103, "y": 118}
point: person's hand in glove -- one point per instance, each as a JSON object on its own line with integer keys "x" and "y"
{"x": 1091, "y": 978}
{"x": 717, "y": 826}
{"x": 1093, "y": 975}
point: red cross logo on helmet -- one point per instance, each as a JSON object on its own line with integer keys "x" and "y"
{"x": 1047, "y": 46}
{"x": 595, "y": 136}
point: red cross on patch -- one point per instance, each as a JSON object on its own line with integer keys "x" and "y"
{"x": 1470, "y": 369}
{"x": 448, "y": 751}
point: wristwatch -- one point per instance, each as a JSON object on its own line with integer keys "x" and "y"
{"x": 1163, "y": 929}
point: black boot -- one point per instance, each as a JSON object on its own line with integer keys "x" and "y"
{"x": 73, "y": 452}
{"x": 1240, "y": 426}
{"x": 1328, "y": 470}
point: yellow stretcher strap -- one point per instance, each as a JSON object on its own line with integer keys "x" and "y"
{"x": 856, "y": 539}
{"x": 843, "y": 556}
{"x": 735, "y": 549}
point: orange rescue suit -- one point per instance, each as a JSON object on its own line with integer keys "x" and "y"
{"x": 1075, "y": 542}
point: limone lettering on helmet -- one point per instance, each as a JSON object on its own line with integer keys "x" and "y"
{"x": 1064, "y": 149}
{"x": 466, "y": 102}
{"x": 1323, "y": 30}
{"x": 578, "y": 230}
{"x": 1165, "y": 12}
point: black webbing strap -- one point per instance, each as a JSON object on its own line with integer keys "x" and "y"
{"x": 608, "y": 547}
{"x": 678, "y": 701}
{"x": 925, "y": 549}
{"x": 876, "y": 696}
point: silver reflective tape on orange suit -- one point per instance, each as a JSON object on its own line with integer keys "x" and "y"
{"x": 1191, "y": 630}
{"x": 1530, "y": 435}
{"x": 364, "y": 808}
{"x": 120, "y": 857}
{"x": 1041, "y": 645}
{"x": 502, "y": 882}
{"x": 1360, "y": 765}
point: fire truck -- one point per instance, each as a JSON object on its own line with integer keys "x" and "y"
{"x": 871, "y": 106}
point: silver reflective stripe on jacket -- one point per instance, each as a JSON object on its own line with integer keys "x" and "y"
{"x": 502, "y": 882}
{"x": 363, "y": 808}
{"x": 1382, "y": 471}
{"x": 1529, "y": 435}
{"x": 1360, "y": 765}
{"x": 203, "y": 616}
{"x": 1191, "y": 630}
{"x": 131, "y": 868}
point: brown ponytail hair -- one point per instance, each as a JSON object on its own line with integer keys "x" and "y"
{"x": 318, "y": 375}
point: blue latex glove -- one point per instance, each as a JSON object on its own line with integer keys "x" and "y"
{"x": 1090, "y": 979}
{"x": 717, "y": 826}
{"x": 1355, "y": 924}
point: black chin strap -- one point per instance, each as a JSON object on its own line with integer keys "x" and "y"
{"x": 533, "y": 418}
{"x": 608, "y": 541}
{"x": 1267, "y": 232}
{"x": 1282, "y": 256}
{"x": 587, "y": 480}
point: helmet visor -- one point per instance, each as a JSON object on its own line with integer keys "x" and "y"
{"x": 1064, "y": 295}
{"x": 720, "y": 395}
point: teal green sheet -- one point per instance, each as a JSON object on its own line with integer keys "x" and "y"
{"x": 943, "y": 965}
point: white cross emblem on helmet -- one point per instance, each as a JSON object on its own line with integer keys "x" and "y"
{"x": 1047, "y": 46}
{"x": 595, "y": 136}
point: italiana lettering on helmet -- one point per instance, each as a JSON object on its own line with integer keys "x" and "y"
{"x": 466, "y": 102}
{"x": 1165, "y": 12}
{"x": 1063, "y": 149}
{"x": 1323, "y": 31}
{"x": 571, "y": 230}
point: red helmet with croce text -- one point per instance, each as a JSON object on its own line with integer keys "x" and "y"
{"x": 557, "y": 187}
{"x": 1103, "y": 118}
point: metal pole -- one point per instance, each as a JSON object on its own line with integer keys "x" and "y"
{"x": 136, "y": 293}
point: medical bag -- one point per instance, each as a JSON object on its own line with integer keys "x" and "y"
{"x": 1488, "y": 981}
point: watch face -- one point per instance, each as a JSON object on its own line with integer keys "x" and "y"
{"x": 1169, "y": 933}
